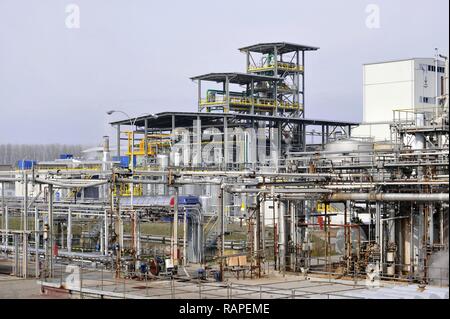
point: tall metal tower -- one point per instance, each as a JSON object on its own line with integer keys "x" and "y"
{"x": 287, "y": 62}
{"x": 273, "y": 85}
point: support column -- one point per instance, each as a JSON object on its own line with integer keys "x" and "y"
{"x": 297, "y": 79}
{"x": 185, "y": 238}
{"x": 225, "y": 141}
{"x": 36, "y": 242}
{"x": 24, "y": 254}
{"x": 304, "y": 137}
{"x": 138, "y": 230}
{"x": 227, "y": 92}
{"x": 431, "y": 227}
{"x": 146, "y": 141}
{"x": 222, "y": 231}
{"x": 303, "y": 84}
{"x": 3, "y": 212}
{"x": 441, "y": 226}
{"x": 199, "y": 95}
{"x": 118, "y": 140}
{"x": 102, "y": 240}
{"x": 69, "y": 230}
{"x": 252, "y": 92}
{"x": 5, "y": 238}
{"x": 50, "y": 229}
{"x": 197, "y": 161}
{"x": 323, "y": 137}
{"x": 25, "y": 201}
{"x": 263, "y": 227}
{"x": 16, "y": 255}
{"x": 377, "y": 223}
{"x": 61, "y": 226}
{"x": 25, "y": 227}
{"x": 106, "y": 233}
{"x": 293, "y": 234}
{"x": 175, "y": 228}
{"x": 282, "y": 236}
{"x": 258, "y": 235}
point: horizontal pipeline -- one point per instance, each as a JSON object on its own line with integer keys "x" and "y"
{"x": 387, "y": 197}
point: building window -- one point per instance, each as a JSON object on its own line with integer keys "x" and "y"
{"x": 426, "y": 99}
{"x": 432, "y": 68}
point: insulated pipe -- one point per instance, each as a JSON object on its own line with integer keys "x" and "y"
{"x": 69, "y": 230}
{"x": 65, "y": 185}
{"x": 381, "y": 197}
{"x": 278, "y": 191}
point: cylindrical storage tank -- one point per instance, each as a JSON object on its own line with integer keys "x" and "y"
{"x": 163, "y": 161}
{"x": 205, "y": 201}
{"x": 390, "y": 256}
{"x": 348, "y": 150}
{"x": 419, "y": 141}
{"x": 175, "y": 158}
{"x": 390, "y": 270}
{"x": 282, "y": 233}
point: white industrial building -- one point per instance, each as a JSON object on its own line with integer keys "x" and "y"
{"x": 400, "y": 84}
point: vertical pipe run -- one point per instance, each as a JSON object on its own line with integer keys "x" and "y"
{"x": 431, "y": 227}
{"x": 185, "y": 238}
{"x": 16, "y": 255}
{"x": 282, "y": 236}
{"x": 25, "y": 201}
{"x": 36, "y": 242}
{"x": 4, "y": 236}
{"x": 258, "y": 235}
{"x": 225, "y": 141}
{"x": 106, "y": 233}
{"x": 50, "y": 228}
{"x": 297, "y": 78}
{"x": 275, "y": 83}
{"x": 221, "y": 230}
{"x": 303, "y": 83}
{"x": 25, "y": 227}
{"x": 118, "y": 139}
{"x": 69, "y": 230}
{"x": 175, "y": 228}
{"x": 293, "y": 235}
{"x": 263, "y": 227}
{"x": 411, "y": 249}
{"x": 146, "y": 141}
{"x": 102, "y": 242}
{"x": 227, "y": 92}
{"x": 138, "y": 230}
{"x": 199, "y": 95}
{"x": 24, "y": 254}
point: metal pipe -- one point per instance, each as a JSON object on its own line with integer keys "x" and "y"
{"x": 50, "y": 228}
{"x": 185, "y": 237}
{"x": 387, "y": 197}
{"x": 36, "y": 242}
{"x": 69, "y": 231}
{"x": 106, "y": 233}
{"x": 175, "y": 228}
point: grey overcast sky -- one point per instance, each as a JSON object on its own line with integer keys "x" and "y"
{"x": 56, "y": 83}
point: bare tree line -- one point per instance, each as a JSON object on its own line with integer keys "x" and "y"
{"x": 11, "y": 153}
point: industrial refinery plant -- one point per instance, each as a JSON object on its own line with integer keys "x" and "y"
{"x": 245, "y": 196}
